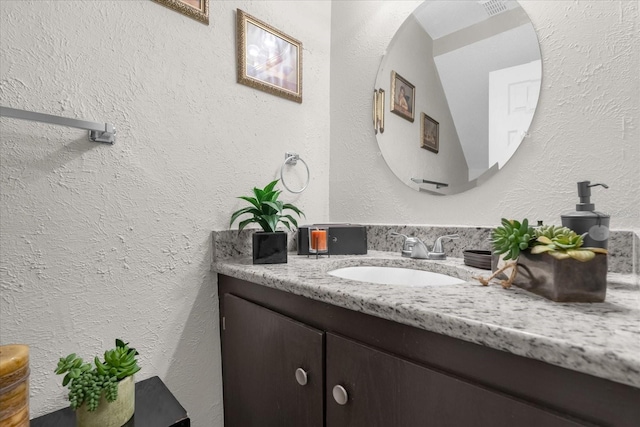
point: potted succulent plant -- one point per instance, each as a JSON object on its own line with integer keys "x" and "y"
{"x": 270, "y": 244}
{"x": 550, "y": 261}
{"x": 102, "y": 394}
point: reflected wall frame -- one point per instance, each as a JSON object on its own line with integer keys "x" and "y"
{"x": 401, "y": 85}
{"x": 429, "y": 133}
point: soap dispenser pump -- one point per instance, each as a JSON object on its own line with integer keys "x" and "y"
{"x": 585, "y": 219}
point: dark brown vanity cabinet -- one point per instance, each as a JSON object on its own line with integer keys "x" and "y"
{"x": 384, "y": 390}
{"x": 272, "y": 368}
{"x": 334, "y": 367}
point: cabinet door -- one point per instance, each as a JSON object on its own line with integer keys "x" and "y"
{"x": 261, "y": 351}
{"x": 384, "y": 390}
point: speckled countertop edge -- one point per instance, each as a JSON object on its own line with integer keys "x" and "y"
{"x": 600, "y": 339}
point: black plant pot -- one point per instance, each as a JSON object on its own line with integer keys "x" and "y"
{"x": 270, "y": 248}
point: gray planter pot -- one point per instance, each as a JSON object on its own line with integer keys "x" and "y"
{"x": 566, "y": 280}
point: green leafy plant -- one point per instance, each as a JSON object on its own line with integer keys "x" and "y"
{"x": 266, "y": 210}
{"x": 562, "y": 243}
{"x": 87, "y": 383}
{"x": 511, "y": 237}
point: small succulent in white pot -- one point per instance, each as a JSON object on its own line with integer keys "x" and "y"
{"x": 102, "y": 393}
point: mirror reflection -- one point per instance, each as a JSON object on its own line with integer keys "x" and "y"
{"x": 475, "y": 71}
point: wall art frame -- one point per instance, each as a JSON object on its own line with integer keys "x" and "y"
{"x": 196, "y": 9}
{"x": 268, "y": 59}
{"x": 430, "y": 133}
{"x": 403, "y": 97}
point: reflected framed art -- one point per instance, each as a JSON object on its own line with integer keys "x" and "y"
{"x": 403, "y": 96}
{"x": 430, "y": 133}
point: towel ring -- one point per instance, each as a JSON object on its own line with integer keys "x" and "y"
{"x": 292, "y": 158}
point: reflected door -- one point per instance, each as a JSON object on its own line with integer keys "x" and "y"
{"x": 513, "y": 96}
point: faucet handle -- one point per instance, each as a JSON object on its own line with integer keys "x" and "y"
{"x": 406, "y": 240}
{"x": 395, "y": 233}
{"x": 412, "y": 247}
{"x": 406, "y": 246}
{"x": 437, "y": 246}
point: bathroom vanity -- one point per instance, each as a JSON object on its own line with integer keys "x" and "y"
{"x": 302, "y": 348}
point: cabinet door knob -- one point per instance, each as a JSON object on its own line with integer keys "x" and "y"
{"x": 340, "y": 395}
{"x": 301, "y": 376}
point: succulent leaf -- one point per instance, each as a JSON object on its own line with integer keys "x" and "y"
{"x": 511, "y": 237}
{"x": 559, "y": 255}
{"x": 544, "y": 239}
{"x": 583, "y": 255}
{"x": 540, "y": 249}
{"x": 597, "y": 250}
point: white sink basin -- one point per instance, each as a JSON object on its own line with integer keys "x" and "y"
{"x": 395, "y": 276}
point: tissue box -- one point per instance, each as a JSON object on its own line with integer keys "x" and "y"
{"x": 344, "y": 239}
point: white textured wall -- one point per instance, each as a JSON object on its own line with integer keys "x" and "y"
{"x": 585, "y": 127}
{"x": 104, "y": 241}
{"x": 99, "y": 241}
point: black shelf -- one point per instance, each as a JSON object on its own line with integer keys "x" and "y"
{"x": 155, "y": 407}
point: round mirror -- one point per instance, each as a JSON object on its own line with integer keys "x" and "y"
{"x": 462, "y": 80}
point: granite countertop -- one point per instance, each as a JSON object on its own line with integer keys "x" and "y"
{"x": 600, "y": 339}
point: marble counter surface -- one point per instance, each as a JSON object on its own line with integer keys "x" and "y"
{"x": 600, "y": 339}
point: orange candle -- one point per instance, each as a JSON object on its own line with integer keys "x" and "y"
{"x": 319, "y": 240}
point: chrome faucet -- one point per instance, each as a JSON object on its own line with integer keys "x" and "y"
{"x": 438, "y": 249}
{"x": 413, "y": 247}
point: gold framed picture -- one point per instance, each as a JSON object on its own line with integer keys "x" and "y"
{"x": 268, "y": 59}
{"x": 196, "y": 9}
{"x": 430, "y": 134}
{"x": 403, "y": 97}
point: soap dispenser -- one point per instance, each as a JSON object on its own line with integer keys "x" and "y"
{"x": 586, "y": 220}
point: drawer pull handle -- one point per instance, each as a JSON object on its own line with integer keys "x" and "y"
{"x": 301, "y": 376}
{"x": 340, "y": 395}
